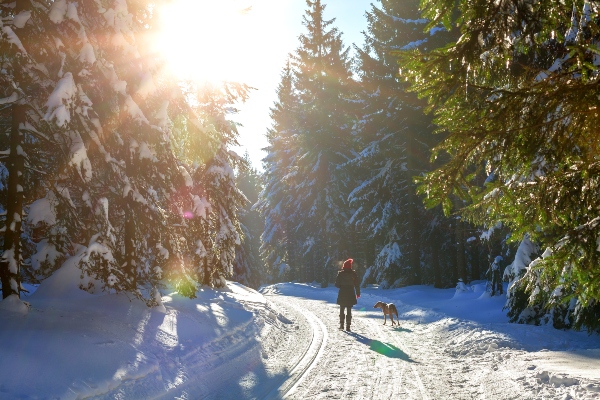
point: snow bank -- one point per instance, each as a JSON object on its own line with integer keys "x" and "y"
{"x": 75, "y": 345}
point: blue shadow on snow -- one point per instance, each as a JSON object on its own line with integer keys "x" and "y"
{"x": 385, "y": 349}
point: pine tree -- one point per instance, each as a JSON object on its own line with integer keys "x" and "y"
{"x": 91, "y": 167}
{"x": 131, "y": 170}
{"x": 40, "y": 222}
{"x": 515, "y": 93}
{"x": 323, "y": 137}
{"x": 395, "y": 137}
{"x": 206, "y": 134}
{"x": 278, "y": 243}
{"x": 248, "y": 268}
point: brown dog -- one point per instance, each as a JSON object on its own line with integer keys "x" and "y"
{"x": 388, "y": 309}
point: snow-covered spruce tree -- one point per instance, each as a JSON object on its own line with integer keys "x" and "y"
{"x": 395, "y": 137}
{"x": 40, "y": 157}
{"x": 278, "y": 243}
{"x": 72, "y": 111}
{"x": 94, "y": 70}
{"x": 205, "y": 135}
{"x": 532, "y": 300}
{"x": 226, "y": 201}
{"x": 97, "y": 135}
{"x": 323, "y": 143}
{"x": 532, "y": 297}
{"x": 248, "y": 268}
{"x": 517, "y": 95}
{"x": 119, "y": 117}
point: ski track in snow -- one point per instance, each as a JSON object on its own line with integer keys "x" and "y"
{"x": 430, "y": 356}
{"x": 318, "y": 341}
{"x": 257, "y": 361}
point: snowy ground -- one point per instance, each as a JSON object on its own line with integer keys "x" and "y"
{"x": 284, "y": 343}
{"x": 448, "y": 346}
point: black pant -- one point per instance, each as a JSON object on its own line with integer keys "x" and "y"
{"x": 349, "y": 312}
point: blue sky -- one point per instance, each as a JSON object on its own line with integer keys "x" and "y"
{"x": 285, "y": 23}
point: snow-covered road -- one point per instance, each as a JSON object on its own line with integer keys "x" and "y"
{"x": 235, "y": 343}
{"x": 430, "y": 356}
{"x": 366, "y": 363}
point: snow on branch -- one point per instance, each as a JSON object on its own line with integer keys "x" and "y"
{"x": 60, "y": 100}
{"x": 134, "y": 110}
{"x": 10, "y": 99}
{"x": 13, "y": 38}
{"x": 58, "y": 11}
{"x": 21, "y": 19}
{"x": 42, "y": 210}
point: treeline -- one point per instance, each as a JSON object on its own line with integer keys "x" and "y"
{"x": 106, "y": 160}
{"x": 346, "y": 143}
{"x": 460, "y": 131}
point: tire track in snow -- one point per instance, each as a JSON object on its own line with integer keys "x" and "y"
{"x": 386, "y": 333}
{"x": 308, "y": 361}
{"x": 384, "y": 365}
{"x": 354, "y": 366}
{"x": 417, "y": 376}
{"x": 400, "y": 383}
{"x": 419, "y": 383}
{"x": 352, "y": 387}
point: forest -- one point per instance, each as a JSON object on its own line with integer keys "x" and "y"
{"x": 460, "y": 139}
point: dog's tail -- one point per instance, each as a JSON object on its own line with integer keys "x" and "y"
{"x": 394, "y": 310}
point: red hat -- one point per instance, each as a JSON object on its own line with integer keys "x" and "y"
{"x": 348, "y": 264}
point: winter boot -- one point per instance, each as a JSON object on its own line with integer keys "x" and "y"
{"x": 348, "y": 321}
{"x": 342, "y": 316}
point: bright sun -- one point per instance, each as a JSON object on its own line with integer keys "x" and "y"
{"x": 207, "y": 40}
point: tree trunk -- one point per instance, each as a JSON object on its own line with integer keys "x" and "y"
{"x": 208, "y": 270}
{"x": 129, "y": 232}
{"x": 10, "y": 264}
{"x": 130, "y": 267}
{"x": 475, "y": 261}
{"x": 414, "y": 205}
{"x": 414, "y": 235}
{"x": 461, "y": 267}
{"x": 435, "y": 263}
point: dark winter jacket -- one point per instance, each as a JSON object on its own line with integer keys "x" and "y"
{"x": 347, "y": 281}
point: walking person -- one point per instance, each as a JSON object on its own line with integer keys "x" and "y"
{"x": 347, "y": 282}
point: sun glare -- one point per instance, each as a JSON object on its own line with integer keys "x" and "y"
{"x": 207, "y": 40}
